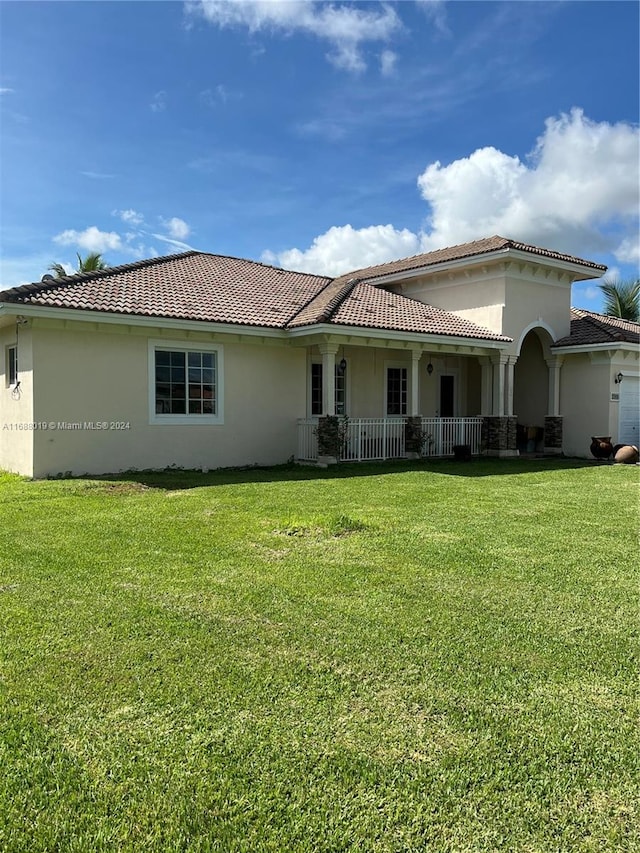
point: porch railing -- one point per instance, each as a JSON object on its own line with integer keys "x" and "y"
{"x": 371, "y": 439}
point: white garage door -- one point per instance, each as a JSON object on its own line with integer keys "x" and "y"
{"x": 629, "y": 422}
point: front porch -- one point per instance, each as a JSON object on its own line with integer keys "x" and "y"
{"x": 371, "y": 439}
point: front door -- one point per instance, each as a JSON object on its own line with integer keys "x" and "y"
{"x": 447, "y": 396}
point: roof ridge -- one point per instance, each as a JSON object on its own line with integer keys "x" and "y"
{"x": 336, "y": 301}
{"x": 74, "y": 278}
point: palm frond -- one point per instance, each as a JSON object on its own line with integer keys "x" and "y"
{"x": 58, "y": 270}
{"x": 621, "y": 299}
{"x": 92, "y": 262}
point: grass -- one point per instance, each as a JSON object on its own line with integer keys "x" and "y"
{"x": 405, "y": 658}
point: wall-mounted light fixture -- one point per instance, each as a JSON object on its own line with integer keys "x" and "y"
{"x": 342, "y": 365}
{"x": 618, "y": 379}
{"x": 429, "y": 368}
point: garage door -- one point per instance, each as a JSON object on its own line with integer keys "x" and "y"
{"x": 629, "y": 422}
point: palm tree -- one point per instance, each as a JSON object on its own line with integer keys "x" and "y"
{"x": 622, "y": 299}
{"x": 91, "y": 263}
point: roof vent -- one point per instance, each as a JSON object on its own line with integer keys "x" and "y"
{"x": 47, "y": 277}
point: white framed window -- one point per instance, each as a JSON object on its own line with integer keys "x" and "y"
{"x": 185, "y": 383}
{"x": 11, "y": 366}
{"x": 315, "y": 395}
{"x": 395, "y": 391}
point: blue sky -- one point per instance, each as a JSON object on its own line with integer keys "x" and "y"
{"x": 316, "y": 136}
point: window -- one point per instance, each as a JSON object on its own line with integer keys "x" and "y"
{"x": 185, "y": 384}
{"x": 316, "y": 389}
{"x": 11, "y": 370}
{"x": 396, "y": 390}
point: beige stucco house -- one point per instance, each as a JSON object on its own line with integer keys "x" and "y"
{"x": 203, "y": 361}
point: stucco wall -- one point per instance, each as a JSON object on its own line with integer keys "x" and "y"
{"x": 477, "y": 297}
{"x": 584, "y": 403}
{"x": 16, "y": 406}
{"x": 545, "y": 303}
{"x": 92, "y": 375}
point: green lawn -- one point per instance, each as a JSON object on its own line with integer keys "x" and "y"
{"x": 433, "y": 657}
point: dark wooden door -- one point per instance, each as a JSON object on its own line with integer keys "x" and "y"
{"x": 446, "y": 397}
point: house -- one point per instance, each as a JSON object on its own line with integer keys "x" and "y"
{"x": 199, "y": 360}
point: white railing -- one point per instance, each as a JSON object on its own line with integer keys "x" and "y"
{"x": 445, "y": 433}
{"x": 307, "y": 439}
{"x": 371, "y": 439}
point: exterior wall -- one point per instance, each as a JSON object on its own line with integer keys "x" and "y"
{"x": 16, "y": 407}
{"x": 584, "y": 403}
{"x": 589, "y": 396}
{"x": 474, "y": 387}
{"x": 543, "y": 301}
{"x": 101, "y": 374}
{"x": 476, "y": 295}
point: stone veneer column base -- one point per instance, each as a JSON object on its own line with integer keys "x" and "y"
{"x": 413, "y": 438}
{"x": 499, "y": 435}
{"x": 553, "y": 435}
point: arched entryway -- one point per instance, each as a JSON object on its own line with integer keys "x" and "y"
{"x": 531, "y": 389}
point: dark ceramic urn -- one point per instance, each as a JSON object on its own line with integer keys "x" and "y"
{"x": 601, "y": 446}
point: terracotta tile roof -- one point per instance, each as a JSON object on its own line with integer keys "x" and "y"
{"x": 587, "y": 327}
{"x": 191, "y": 285}
{"x": 376, "y": 308}
{"x": 463, "y": 250}
{"x": 215, "y": 288}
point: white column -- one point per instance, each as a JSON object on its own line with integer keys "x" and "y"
{"x": 485, "y": 385}
{"x": 508, "y": 406}
{"x": 498, "y": 362}
{"x": 414, "y": 383}
{"x": 554, "y": 364}
{"x": 328, "y": 352}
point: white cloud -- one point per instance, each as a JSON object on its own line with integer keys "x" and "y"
{"x": 159, "y": 102}
{"x": 435, "y": 11}
{"x": 177, "y": 228}
{"x": 578, "y": 192}
{"x": 346, "y": 27}
{"x": 628, "y": 252}
{"x": 388, "y": 61}
{"x": 580, "y": 177}
{"x": 91, "y": 239}
{"x": 345, "y": 248}
{"x": 131, "y": 217}
{"x": 5, "y": 91}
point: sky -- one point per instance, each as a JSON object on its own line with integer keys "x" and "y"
{"x": 320, "y": 137}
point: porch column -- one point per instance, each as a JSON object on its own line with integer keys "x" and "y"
{"x": 485, "y": 385}
{"x": 511, "y": 363}
{"x": 554, "y": 364}
{"x": 553, "y": 427}
{"x": 499, "y": 428}
{"x": 328, "y": 352}
{"x": 414, "y": 385}
{"x": 499, "y": 361}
